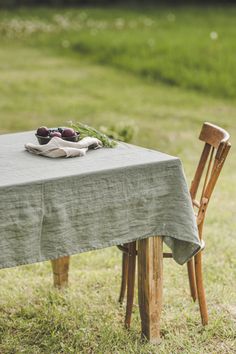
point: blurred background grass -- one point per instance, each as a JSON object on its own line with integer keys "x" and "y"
{"x": 164, "y": 71}
{"x": 186, "y": 47}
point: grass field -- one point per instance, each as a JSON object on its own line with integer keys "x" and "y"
{"x": 192, "y": 48}
{"x": 93, "y": 65}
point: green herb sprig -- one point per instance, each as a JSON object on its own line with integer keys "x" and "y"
{"x": 86, "y": 130}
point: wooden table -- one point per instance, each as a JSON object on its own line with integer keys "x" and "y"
{"x": 140, "y": 191}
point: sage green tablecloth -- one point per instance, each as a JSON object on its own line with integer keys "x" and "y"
{"x": 55, "y": 207}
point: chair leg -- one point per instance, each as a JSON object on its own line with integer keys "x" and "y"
{"x": 124, "y": 275}
{"x": 200, "y": 288}
{"x": 130, "y": 283}
{"x": 192, "y": 279}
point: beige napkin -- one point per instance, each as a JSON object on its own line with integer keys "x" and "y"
{"x": 58, "y": 147}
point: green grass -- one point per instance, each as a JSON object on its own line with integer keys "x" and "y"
{"x": 44, "y": 82}
{"x": 192, "y": 48}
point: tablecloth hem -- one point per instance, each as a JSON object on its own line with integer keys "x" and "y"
{"x": 92, "y": 248}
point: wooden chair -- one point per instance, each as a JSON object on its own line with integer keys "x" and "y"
{"x": 210, "y": 164}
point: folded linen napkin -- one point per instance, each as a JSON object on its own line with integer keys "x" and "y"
{"x": 58, "y": 147}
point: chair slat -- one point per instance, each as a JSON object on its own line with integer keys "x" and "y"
{"x": 208, "y": 171}
{"x": 216, "y": 170}
{"x": 199, "y": 172}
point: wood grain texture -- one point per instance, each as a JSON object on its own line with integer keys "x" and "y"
{"x": 130, "y": 282}
{"x": 124, "y": 276}
{"x": 192, "y": 279}
{"x": 200, "y": 289}
{"x": 213, "y": 135}
{"x": 150, "y": 286}
{"x": 60, "y": 267}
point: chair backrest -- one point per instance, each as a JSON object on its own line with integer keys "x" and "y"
{"x": 210, "y": 164}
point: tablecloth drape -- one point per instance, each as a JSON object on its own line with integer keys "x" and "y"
{"x": 55, "y": 207}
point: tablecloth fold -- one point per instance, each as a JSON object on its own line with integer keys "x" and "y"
{"x": 55, "y": 207}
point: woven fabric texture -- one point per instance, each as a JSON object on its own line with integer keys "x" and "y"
{"x": 55, "y": 207}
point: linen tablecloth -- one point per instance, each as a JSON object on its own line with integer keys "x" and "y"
{"x": 50, "y": 208}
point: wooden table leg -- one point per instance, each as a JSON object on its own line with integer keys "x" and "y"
{"x": 60, "y": 267}
{"x": 150, "y": 286}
